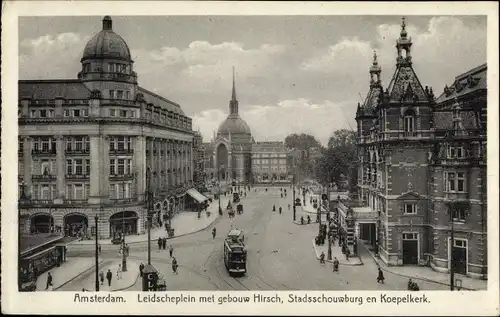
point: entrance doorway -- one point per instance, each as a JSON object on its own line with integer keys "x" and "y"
{"x": 75, "y": 225}
{"x": 123, "y": 222}
{"x": 368, "y": 233}
{"x": 41, "y": 223}
{"x": 410, "y": 248}
{"x": 459, "y": 257}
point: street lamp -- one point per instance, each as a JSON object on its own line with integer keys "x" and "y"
{"x": 124, "y": 249}
{"x": 218, "y": 178}
{"x": 96, "y": 218}
{"x": 149, "y": 205}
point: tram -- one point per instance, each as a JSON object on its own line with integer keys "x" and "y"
{"x": 235, "y": 256}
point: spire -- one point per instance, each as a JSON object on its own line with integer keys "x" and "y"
{"x": 403, "y": 46}
{"x": 403, "y": 28}
{"x": 375, "y": 71}
{"x": 233, "y": 104}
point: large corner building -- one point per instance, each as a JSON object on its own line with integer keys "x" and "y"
{"x": 422, "y": 169}
{"x": 86, "y": 146}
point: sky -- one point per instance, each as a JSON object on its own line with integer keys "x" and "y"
{"x": 294, "y": 74}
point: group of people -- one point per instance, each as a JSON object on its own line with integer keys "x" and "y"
{"x": 279, "y": 209}
{"x": 162, "y": 245}
{"x": 109, "y": 275}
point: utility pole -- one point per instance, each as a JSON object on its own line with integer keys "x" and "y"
{"x": 293, "y": 181}
{"x": 124, "y": 249}
{"x": 149, "y": 205}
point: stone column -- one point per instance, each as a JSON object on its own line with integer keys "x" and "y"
{"x": 95, "y": 170}
{"x": 28, "y": 162}
{"x": 104, "y": 162}
{"x": 168, "y": 164}
{"x": 158, "y": 165}
{"x": 149, "y": 144}
{"x": 61, "y": 171}
{"x": 165, "y": 163}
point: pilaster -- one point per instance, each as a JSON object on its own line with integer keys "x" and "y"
{"x": 139, "y": 165}
{"x": 60, "y": 158}
{"x": 28, "y": 163}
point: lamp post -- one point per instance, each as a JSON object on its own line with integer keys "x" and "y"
{"x": 96, "y": 218}
{"x": 293, "y": 182}
{"x": 149, "y": 205}
{"x": 124, "y": 249}
{"x": 218, "y": 178}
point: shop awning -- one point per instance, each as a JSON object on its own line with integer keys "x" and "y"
{"x": 196, "y": 195}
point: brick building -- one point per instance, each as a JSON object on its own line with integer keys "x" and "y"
{"x": 85, "y": 146}
{"x": 421, "y": 157}
{"x": 269, "y": 162}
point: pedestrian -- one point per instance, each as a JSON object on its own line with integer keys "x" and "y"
{"x": 127, "y": 248}
{"x": 335, "y": 265}
{"x": 380, "y": 277}
{"x": 100, "y": 249}
{"x": 109, "y": 276}
{"x": 347, "y": 253}
{"x": 160, "y": 242}
{"x": 49, "y": 282}
{"x": 174, "y": 266}
{"x": 101, "y": 277}
{"x": 280, "y": 210}
{"x": 288, "y": 206}
{"x": 141, "y": 268}
{"x": 171, "y": 250}
{"x": 322, "y": 258}
{"x": 119, "y": 272}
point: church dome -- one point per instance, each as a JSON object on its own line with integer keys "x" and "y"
{"x": 107, "y": 44}
{"x": 234, "y": 125}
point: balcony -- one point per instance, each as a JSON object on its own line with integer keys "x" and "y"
{"x": 70, "y": 152}
{"x": 46, "y": 177}
{"x": 121, "y": 151}
{"x": 123, "y": 200}
{"x": 78, "y": 176}
{"x": 43, "y": 152}
{"x": 75, "y": 202}
{"x": 123, "y": 177}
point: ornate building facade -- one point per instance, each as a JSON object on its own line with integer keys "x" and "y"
{"x": 269, "y": 163}
{"x": 87, "y": 145}
{"x": 422, "y": 168}
{"x": 232, "y": 149}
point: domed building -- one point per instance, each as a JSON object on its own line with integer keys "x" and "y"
{"x": 92, "y": 146}
{"x": 233, "y": 145}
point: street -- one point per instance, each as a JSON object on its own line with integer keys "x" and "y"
{"x": 280, "y": 256}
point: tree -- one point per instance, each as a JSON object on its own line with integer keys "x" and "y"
{"x": 338, "y": 161}
{"x": 303, "y": 143}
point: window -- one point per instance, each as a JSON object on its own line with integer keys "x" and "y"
{"x": 45, "y": 144}
{"x": 123, "y": 113}
{"x": 66, "y": 113}
{"x": 45, "y": 167}
{"x": 460, "y": 243}
{"x": 87, "y": 144}
{"x": 129, "y": 166}
{"x": 111, "y": 67}
{"x": 410, "y": 236}
{"x": 121, "y": 143}
{"x": 79, "y": 191}
{"x": 78, "y": 143}
{"x": 76, "y": 112}
{"x": 111, "y": 94}
{"x": 112, "y": 170}
{"x": 129, "y": 143}
{"x": 51, "y": 113}
{"x": 69, "y": 145}
{"x": 43, "y": 113}
{"x": 69, "y": 167}
{"x": 45, "y": 192}
{"x": 132, "y": 113}
{"x": 78, "y": 167}
{"x": 456, "y": 152}
{"x": 119, "y": 94}
{"x": 455, "y": 181}
{"x": 458, "y": 214}
{"x": 127, "y": 95}
{"x": 409, "y": 122}
{"x": 121, "y": 166}
{"x": 33, "y": 113}
{"x": 21, "y": 146}
{"x": 85, "y": 112}
{"x": 410, "y": 209}
{"x": 87, "y": 167}
{"x": 112, "y": 112}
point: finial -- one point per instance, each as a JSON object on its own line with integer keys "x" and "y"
{"x": 403, "y": 28}
{"x": 234, "y": 88}
{"x": 107, "y": 23}
{"x": 375, "y": 62}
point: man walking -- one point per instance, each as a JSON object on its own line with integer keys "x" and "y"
{"x": 280, "y": 210}
{"x": 335, "y": 265}
{"x": 322, "y": 258}
{"x": 380, "y": 277}
{"x": 164, "y": 243}
{"x": 160, "y": 242}
{"x": 174, "y": 266}
{"x": 171, "y": 250}
{"x": 109, "y": 276}
{"x": 49, "y": 282}
{"x": 101, "y": 277}
{"x": 141, "y": 268}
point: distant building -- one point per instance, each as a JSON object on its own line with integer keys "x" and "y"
{"x": 269, "y": 162}
{"x": 422, "y": 167}
{"x": 85, "y": 146}
{"x": 198, "y": 159}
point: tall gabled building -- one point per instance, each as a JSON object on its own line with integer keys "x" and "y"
{"x": 420, "y": 159}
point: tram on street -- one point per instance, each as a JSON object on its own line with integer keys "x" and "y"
{"x": 235, "y": 256}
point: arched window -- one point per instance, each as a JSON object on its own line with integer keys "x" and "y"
{"x": 409, "y": 123}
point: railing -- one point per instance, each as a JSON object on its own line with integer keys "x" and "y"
{"x": 42, "y": 152}
{"x": 77, "y": 152}
{"x": 77, "y": 176}
{"x": 115, "y": 177}
{"x": 44, "y": 177}
{"x": 121, "y": 151}
{"x": 123, "y": 200}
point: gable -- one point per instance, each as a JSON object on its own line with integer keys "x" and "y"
{"x": 410, "y": 196}
{"x": 403, "y": 80}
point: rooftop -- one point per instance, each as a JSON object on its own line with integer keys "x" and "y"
{"x": 28, "y": 242}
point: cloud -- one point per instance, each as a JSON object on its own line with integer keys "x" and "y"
{"x": 51, "y": 56}
{"x": 274, "y": 122}
{"x": 440, "y": 52}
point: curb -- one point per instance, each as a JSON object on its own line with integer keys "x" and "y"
{"x": 305, "y": 223}
{"x": 76, "y": 276}
{"x": 385, "y": 269}
{"x": 127, "y": 287}
{"x": 331, "y": 261}
{"x": 168, "y": 238}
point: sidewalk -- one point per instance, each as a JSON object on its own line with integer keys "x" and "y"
{"x": 309, "y": 208}
{"x": 69, "y": 270}
{"x": 184, "y": 223}
{"x": 128, "y": 279}
{"x": 427, "y": 274}
{"x": 336, "y": 253}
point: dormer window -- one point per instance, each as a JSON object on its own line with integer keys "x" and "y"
{"x": 409, "y": 122}
{"x": 456, "y": 152}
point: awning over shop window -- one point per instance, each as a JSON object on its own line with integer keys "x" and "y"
{"x": 196, "y": 195}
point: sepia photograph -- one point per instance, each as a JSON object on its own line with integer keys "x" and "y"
{"x": 217, "y": 152}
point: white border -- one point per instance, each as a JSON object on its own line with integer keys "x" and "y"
{"x": 446, "y": 303}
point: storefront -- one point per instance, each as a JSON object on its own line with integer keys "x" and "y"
{"x": 41, "y": 223}
{"x": 194, "y": 200}
{"x": 123, "y": 222}
{"x": 76, "y": 225}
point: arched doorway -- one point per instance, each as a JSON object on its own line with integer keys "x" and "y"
{"x": 222, "y": 159}
{"x": 41, "y": 223}
{"x": 125, "y": 221}
{"x": 75, "y": 225}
